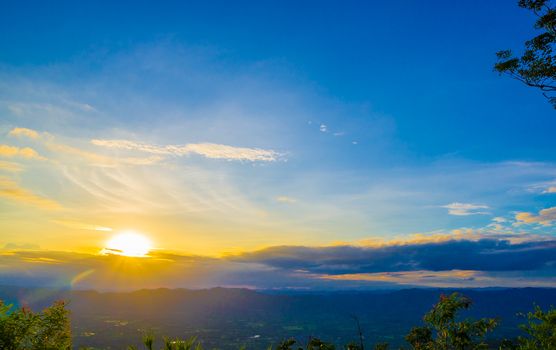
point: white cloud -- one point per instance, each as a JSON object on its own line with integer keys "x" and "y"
{"x": 323, "y": 128}
{"x": 208, "y": 150}
{"x": 464, "y": 209}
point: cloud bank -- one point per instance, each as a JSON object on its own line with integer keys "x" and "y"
{"x": 482, "y": 255}
{"x": 463, "y": 263}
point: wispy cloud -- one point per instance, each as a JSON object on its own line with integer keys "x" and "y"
{"x": 25, "y": 152}
{"x": 9, "y": 189}
{"x": 50, "y": 142}
{"x": 209, "y": 150}
{"x": 464, "y": 209}
{"x": 99, "y": 159}
{"x": 112, "y": 182}
{"x": 10, "y": 166}
{"x": 81, "y": 225}
{"x": 21, "y": 246}
{"x": 286, "y": 199}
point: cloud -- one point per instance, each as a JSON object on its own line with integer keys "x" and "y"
{"x": 481, "y": 255}
{"x": 10, "y": 166}
{"x": 551, "y": 189}
{"x": 421, "y": 277}
{"x": 286, "y": 199}
{"x": 81, "y": 226}
{"x": 25, "y": 152}
{"x": 499, "y": 219}
{"x": 323, "y": 128}
{"x": 545, "y": 217}
{"x": 113, "y": 272}
{"x": 358, "y": 196}
{"x": 460, "y": 234}
{"x": 465, "y": 264}
{"x": 92, "y": 157}
{"x": 445, "y": 279}
{"x": 208, "y": 150}
{"x": 464, "y": 209}
{"x": 11, "y": 190}
{"x": 24, "y": 132}
{"x": 22, "y": 246}
{"x": 99, "y": 159}
{"x": 211, "y": 150}
{"x": 51, "y": 144}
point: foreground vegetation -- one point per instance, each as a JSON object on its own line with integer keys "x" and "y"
{"x": 442, "y": 329}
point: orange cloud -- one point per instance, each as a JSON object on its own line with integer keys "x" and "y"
{"x": 441, "y": 279}
{"x": 24, "y": 132}
{"x": 25, "y": 152}
{"x": 545, "y": 217}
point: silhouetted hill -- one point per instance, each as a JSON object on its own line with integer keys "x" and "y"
{"x": 227, "y": 318}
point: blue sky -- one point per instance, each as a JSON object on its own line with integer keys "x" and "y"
{"x": 428, "y": 67}
{"x": 218, "y": 129}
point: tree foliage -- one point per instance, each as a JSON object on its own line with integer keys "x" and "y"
{"x": 540, "y": 329}
{"x": 444, "y": 331}
{"x": 23, "y": 329}
{"x": 536, "y": 67}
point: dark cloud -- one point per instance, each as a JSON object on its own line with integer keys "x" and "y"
{"x": 481, "y": 255}
{"x": 463, "y": 263}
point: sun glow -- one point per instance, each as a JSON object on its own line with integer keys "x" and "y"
{"x": 128, "y": 244}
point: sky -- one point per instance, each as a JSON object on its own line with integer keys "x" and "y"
{"x": 272, "y": 145}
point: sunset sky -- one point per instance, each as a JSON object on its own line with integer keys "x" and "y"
{"x": 321, "y": 145}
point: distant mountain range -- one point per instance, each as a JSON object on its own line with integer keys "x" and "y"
{"x": 228, "y": 318}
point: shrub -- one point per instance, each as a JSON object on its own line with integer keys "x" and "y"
{"x": 23, "y": 329}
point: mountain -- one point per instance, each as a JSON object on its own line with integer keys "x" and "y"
{"x": 228, "y": 318}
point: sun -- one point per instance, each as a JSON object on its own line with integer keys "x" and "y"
{"x": 128, "y": 243}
